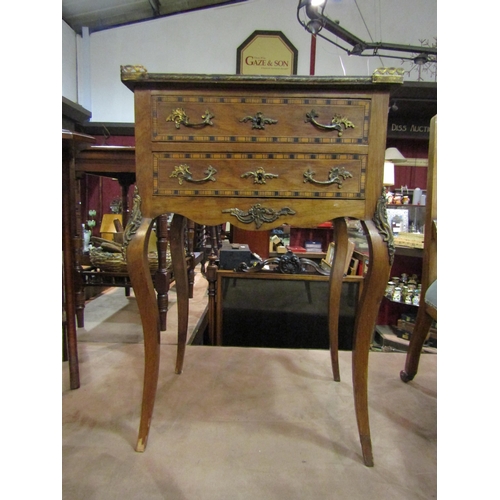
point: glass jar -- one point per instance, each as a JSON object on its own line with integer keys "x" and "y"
{"x": 416, "y": 297}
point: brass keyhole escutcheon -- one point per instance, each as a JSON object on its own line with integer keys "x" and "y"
{"x": 259, "y": 176}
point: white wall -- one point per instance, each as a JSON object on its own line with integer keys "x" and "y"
{"x": 69, "y": 65}
{"x": 205, "y": 41}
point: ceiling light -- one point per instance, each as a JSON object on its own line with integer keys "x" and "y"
{"x": 314, "y": 21}
{"x": 314, "y": 26}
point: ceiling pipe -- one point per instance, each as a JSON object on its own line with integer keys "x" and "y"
{"x": 155, "y": 6}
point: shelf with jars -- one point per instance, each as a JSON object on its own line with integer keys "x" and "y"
{"x": 406, "y": 210}
{"x": 398, "y": 313}
{"x": 404, "y": 289}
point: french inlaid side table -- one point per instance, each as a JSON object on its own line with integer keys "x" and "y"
{"x": 259, "y": 152}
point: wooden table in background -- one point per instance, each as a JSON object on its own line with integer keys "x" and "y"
{"x": 118, "y": 162}
{"x": 72, "y": 143}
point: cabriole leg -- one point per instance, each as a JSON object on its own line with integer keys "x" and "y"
{"x": 140, "y": 275}
{"x": 366, "y": 317}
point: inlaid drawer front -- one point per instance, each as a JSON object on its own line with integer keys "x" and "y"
{"x": 321, "y": 176}
{"x": 257, "y": 119}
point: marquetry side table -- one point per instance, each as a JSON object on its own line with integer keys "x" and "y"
{"x": 259, "y": 152}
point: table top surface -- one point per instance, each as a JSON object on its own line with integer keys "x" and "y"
{"x": 108, "y": 161}
{"x": 138, "y": 76}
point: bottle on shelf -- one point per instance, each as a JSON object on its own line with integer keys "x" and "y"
{"x": 417, "y": 194}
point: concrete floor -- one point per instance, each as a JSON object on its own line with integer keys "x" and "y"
{"x": 239, "y": 423}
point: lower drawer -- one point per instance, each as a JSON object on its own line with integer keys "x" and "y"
{"x": 287, "y": 175}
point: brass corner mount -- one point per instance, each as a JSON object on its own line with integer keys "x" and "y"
{"x": 388, "y": 75}
{"x": 133, "y": 72}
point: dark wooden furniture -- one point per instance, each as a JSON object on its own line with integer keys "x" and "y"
{"x": 259, "y": 152}
{"x": 118, "y": 162}
{"x": 427, "y": 311}
{"x": 72, "y": 143}
{"x": 280, "y": 309}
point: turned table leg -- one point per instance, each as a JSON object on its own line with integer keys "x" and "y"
{"x": 190, "y": 256}
{"x": 79, "y": 300}
{"x": 214, "y": 334}
{"x": 177, "y": 249}
{"x": 366, "y": 317}
{"x": 162, "y": 275}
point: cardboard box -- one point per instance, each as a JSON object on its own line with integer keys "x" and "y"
{"x": 231, "y": 256}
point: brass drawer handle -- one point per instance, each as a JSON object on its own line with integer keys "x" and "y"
{"x": 259, "y": 176}
{"x": 258, "y": 214}
{"x": 183, "y": 174}
{"x": 335, "y": 176}
{"x": 336, "y": 124}
{"x": 259, "y": 121}
{"x": 179, "y": 117}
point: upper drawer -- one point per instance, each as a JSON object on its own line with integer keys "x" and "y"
{"x": 260, "y": 119}
{"x": 319, "y": 176}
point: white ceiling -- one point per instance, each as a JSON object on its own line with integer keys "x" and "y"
{"x": 104, "y": 14}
